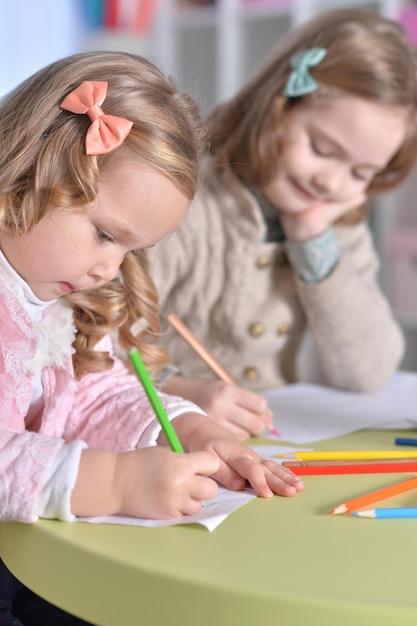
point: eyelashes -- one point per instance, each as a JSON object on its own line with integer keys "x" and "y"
{"x": 320, "y": 151}
{"x": 328, "y": 154}
{"x": 104, "y": 237}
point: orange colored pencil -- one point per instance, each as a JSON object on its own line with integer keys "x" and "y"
{"x": 205, "y": 355}
{"x": 375, "y": 496}
{"x": 200, "y": 349}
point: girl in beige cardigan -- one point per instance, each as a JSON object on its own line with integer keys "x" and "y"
{"x": 276, "y": 242}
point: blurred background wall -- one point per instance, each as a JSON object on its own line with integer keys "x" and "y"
{"x": 211, "y": 47}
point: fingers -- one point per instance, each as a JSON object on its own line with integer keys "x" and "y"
{"x": 245, "y": 414}
{"x": 244, "y": 424}
{"x": 193, "y": 483}
{"x": 201, "y": 487}
{"x": 251, "y": 401}
{"x": 317, "y": 217}
{"x": 271, "y": 478}
{"x": 230, "y": 478}
{"x": 205, "y": 492}
{"x": 241, "y": 412}
{"x": 265, "y": 477}
{"x": 253, "y": 423}
{"x": 336, "y": 210}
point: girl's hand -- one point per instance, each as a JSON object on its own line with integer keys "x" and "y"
{"x": 317, "y": 218}
{"x": 163, "y": 484}
{"x": 241, "y": 412}
{"x": 153, "y": 483}
{"x": 238, "y": 463}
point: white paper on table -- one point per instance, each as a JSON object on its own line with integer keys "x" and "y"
{"x": 305, "y": 413}
{"x": 213, "y": 513}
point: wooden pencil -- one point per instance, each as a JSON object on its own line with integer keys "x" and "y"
{"x": 154, "y": 399}
{"x": 290, "y": 464}
{"x": 394, "y": 513}
{"x": 340, "y": 455}
{"x": 200, "y": 349}
{"x": 359, "y": 468}
{"x": 375, "y": 496}
{"x": 206, "y": 356}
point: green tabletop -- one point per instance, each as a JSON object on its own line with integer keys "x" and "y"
{"x": 277, "y": 562}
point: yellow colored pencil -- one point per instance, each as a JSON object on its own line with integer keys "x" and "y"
{"x": 335, "y": 455}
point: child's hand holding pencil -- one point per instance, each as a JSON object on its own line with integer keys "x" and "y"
{"x": 208, "y": 447}
{"x": 240, "y": 411}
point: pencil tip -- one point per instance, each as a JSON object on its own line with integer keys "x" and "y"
{"x": 338, "y": 510}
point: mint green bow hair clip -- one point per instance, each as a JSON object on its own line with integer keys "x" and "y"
{"x": 300, "y": 82}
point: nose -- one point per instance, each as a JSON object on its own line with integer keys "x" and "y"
{"x": 330, "y": 179}
{"x": 105, "y": 269}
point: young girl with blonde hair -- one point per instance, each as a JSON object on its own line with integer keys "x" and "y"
{"x": 98, "y": 161}
{"x": 276, "y": 242}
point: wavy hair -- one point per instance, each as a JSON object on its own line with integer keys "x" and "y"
{"x": 43, "y": 165}
{"x": 368, "y": 56}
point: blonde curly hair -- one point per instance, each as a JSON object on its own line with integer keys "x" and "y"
{"x": 43, "y": 165}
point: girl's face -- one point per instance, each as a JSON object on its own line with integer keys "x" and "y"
{"x": 331, "y": 150}
{"x": 73, "y": 250}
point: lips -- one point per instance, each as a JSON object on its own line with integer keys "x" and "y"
{"x": 304, "y": 193}
{"x": 66, "y": 287}
{"x": 94, "y": 285}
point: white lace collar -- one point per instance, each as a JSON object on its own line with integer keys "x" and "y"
{"x": 52, "y": 322}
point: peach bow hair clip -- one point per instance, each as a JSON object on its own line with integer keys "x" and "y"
{"x": 107, "y": 132}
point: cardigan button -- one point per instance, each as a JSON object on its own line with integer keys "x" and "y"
{"x": 251, "y": 373}
{"x": 256, "y": 329}
{"x": 283, "y": 329}
{"x": 264, "y": 260}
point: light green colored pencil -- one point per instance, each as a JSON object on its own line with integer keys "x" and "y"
{"x": 155, "y": 400}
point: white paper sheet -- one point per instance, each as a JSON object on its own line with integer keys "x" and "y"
{"x": 305, "y": 413}
{"x": 211, "y": 515}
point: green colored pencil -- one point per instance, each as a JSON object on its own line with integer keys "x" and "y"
{"x": 154, "y": 399}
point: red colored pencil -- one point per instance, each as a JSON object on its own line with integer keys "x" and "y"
{"x": 359, "y": 468}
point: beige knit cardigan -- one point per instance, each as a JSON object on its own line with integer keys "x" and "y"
{"x": 240, "y": 296}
